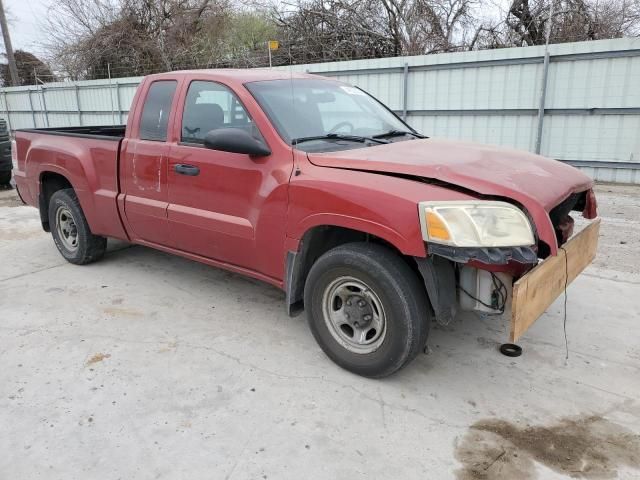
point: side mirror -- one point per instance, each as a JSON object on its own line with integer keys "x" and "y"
{"x": 235, "y": 140}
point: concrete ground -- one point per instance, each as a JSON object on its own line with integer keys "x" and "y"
{"x": 146, "y": 365}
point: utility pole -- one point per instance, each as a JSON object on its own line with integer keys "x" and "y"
{"x": 545, "y": 75}
{"x": 13, "y": 70}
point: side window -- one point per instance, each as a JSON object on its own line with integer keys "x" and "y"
{"x": 156, "y": 110}
{"x": 209, "y": 106}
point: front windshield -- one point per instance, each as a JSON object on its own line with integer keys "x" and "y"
{"x": 308, "y": 108}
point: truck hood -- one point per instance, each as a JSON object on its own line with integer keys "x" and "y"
{"x": 532, "y": 180}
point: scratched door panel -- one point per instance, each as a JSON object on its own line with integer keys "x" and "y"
{"x": 213, "y": 214}
{"x": 144, "y": 165}
{"x": 144, "y": 176}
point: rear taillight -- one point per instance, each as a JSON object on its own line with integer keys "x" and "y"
{"x": 14, "y": 154}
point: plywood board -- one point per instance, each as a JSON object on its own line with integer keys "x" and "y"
{"x": 533, "y": 293}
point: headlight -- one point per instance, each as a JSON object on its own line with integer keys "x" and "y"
{"x": 475, "y": 224}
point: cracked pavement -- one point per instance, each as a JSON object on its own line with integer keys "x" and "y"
{"x": 145, "y": 365}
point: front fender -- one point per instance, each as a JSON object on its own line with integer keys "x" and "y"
{"x": 407, "y": 246}
{"x": 382, "y": 205}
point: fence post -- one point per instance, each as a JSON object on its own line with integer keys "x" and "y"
{"x": 545, "y": 74}
{"x": 6, "y": 108}
{"x": 543, "y": 97}
{"x": 77, "y": 89}
{"x": 405, "y": 90}
{"x": 118, "y": 103}
{"x": 42, "y": 96}
{"x": 44, "y": 106}
{"x": 33, "y": 112}
{"x": 113, "y": 112}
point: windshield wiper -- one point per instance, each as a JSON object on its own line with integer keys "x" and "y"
{"x": 397, "y": 133}
{"x": 338, "y": 136}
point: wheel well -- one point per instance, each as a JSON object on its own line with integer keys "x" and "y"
{"x": 314, "y": 243}
{"x": 50, "y": 183}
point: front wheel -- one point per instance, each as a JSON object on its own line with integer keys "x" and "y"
{"x": 367, "y": 309}
{"x": 70, "y": 230}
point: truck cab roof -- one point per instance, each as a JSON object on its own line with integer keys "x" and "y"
{"x": 234, "y": 75}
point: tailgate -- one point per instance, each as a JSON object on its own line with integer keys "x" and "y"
{"x": 535, "y": 291}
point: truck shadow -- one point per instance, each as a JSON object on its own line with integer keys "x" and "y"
{"x": 181, "y": 272}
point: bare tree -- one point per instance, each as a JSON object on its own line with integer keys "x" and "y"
{"x": 427, "y": 26}
{"x": 524, "y": 22}
{"x": 318, "y": 30}
{"x": 573, "y": 20}
{"x": 133, "y": 37}
{"x": 344, "y": 29}
{"x": 29, "y": 69}
{"x": 91, "y": 38}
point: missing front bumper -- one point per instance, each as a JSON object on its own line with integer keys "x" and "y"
{"x": 535, "y": 291}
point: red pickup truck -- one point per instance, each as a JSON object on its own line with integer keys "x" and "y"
{"x": 314, "y": 186}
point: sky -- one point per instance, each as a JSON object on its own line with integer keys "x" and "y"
{"x": 25, "y": 24}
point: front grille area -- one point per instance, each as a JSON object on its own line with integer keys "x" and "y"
{"x": 560, "y": 218}
{"x": 563, "y": 222}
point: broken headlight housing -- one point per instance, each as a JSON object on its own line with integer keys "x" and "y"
{"x": 480, "y": 223}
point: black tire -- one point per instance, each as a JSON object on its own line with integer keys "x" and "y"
{"x": 401, "y": 294}
{"x": 89, "y": 247}
{"x": 5, "y": 178}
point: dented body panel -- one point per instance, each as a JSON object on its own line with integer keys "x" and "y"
{"x": 536, "y": 183}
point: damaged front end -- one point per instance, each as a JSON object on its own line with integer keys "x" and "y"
{"x": 468, "y": 285}
{"x": 482, "y": 278}
{"x": 563, "y": 223}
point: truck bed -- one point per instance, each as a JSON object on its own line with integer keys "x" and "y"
{"x": 84, "y": 157}
{"x": 103, "y": 132}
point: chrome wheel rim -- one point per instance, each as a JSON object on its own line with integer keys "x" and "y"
{"x": 66, "y": 227}
{"x": 354, "y": 315}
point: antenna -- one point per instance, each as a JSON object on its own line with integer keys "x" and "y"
{"x": 293, "y": 98}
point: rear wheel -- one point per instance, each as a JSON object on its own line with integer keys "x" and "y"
{"x": 367, "y": 309}
{"x": 70, "y": 230}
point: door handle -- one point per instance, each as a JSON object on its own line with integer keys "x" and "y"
{"x": 184, "y": 169}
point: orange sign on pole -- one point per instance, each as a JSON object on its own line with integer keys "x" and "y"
{"x": 272, "y": 45}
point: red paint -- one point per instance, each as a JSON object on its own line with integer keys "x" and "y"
{"x": 244, "y": 213}
{"x": 537, "y": 183}
{"x": 89, "y": 165}
{"x": 591, "y": 206}
{"x": 514, "y": 269}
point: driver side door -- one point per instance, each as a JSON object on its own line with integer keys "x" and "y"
{"x": 221, "y": 204}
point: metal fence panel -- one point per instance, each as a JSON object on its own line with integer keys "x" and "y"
{"x": 516, "y": 131}
{"x": 591, "y": 103}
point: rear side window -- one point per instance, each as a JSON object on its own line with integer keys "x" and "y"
{"x": 156, "y": 110}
